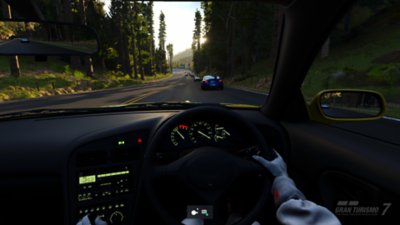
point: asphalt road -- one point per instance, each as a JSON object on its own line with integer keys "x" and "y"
{"x": 176, "y": 88}
{"x": 15, "y": 47}
{"x": 179, "y": 88}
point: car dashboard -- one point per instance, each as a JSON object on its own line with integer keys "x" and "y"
{"x": 58, "y": 169}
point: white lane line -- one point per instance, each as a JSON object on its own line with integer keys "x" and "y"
{"x": 391, "y": 118}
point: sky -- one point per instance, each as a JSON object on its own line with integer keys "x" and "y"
{"x": 179, "y": 20}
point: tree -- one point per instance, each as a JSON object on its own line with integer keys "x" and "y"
{"x": 170, "y": 50}
{"x": 197, "y": 31}
{"x": 207, "y": 11}
{"x": 277, "y": 25}
{"x": 83, "y": 19}
{"x": 236, "y": 39}
{"x": 64, "y": 11}
{"x": 133, "y": 40}
{"x": 196, "y": 42}
{"x": 160, "y": 52}
{"x": 149, "y": 67}
{"x": 119, "y": 11}
{"x": 14, "y": 60}
{"x": 162, "y": 32}
{"x": 230, "y": 30}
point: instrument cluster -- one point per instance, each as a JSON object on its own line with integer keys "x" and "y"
{"x": 199, "y": 133}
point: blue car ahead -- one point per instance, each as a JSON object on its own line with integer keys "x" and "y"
{"x": 212, "y": 82}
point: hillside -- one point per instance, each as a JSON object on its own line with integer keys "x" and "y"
{"x": 184, "y": 57}
{"x": 368, "y": 59}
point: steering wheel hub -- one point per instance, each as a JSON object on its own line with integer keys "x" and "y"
{"x": 209, "y": 168}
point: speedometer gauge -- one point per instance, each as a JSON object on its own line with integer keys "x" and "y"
{"x": 200, "y": 131}
{"x": 220, "y": 133}
{"x": 179, "y": 134}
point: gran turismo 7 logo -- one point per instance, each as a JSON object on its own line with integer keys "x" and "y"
{"x": 354, "y": 208}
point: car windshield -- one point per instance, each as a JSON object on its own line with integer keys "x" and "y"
{"x": 148, "y": 52}
{"x": 207, "y": 77}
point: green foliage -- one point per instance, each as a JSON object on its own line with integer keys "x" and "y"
{"x": 198, "y": 64}
{"x": 239, "y": 34}
{"x": 46, "y": 84}
{"x": 367, "y": 57}
{"x": 67, "y": 69}
{"x": 78, "y": 74}
{"x": 259, "y": 77}
{"x": 170, "y": 49}
{"x": 386, "y": 74}
{"x": 8, "y": 28}
{"x": 162, "y": 32}
{"x": 197, "y": 31}
{"x": 160, "y": 53}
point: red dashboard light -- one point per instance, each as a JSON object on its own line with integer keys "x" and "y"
{"x": 139, "y": 140}
{"x": 183, "y": 126}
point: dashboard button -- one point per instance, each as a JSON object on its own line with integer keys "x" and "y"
{"x": 116, "y": 217}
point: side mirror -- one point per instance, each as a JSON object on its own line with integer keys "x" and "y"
{"x": 46, "y": 38}
{"x": 346, "y": 105}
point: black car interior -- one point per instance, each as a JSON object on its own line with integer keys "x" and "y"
{"x": 123, "y": 165}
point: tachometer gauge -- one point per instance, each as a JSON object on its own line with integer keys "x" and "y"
{"x": 179, "y": 134}
{"x": 200, "y": 131}
{"x": 220, "y": 133}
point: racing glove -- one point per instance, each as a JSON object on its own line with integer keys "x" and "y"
{"x": 86, "y": 221}
{"x": 283, "y": 187}
{"x": 192, "y": 221}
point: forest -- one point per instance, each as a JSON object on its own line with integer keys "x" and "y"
{"x": 125, "y": 33}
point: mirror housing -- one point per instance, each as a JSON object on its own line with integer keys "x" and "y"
{"x": 347, "y": 105}
{"x": 46, "y": 38}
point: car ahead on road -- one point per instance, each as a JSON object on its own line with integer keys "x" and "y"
{"x": 196, "y": 78}
{"x": 212, "y": 82}
{"x": 23, "y": 40}
{"x": 151, "y": 162}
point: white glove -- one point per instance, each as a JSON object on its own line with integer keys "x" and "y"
{"x": 195, "y": 221}
{"x": 283, "y": 188}
{"x": 192, "y": 221}
{"x": 86, "y": 221}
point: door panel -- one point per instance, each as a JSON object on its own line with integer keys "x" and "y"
{"x": 336, "y": 167}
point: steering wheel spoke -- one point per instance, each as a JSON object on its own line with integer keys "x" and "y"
{"x": 164, "y": 171}
{"x": 247, "y": 166}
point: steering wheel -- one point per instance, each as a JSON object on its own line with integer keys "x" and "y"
{"x": 215, "y": 168}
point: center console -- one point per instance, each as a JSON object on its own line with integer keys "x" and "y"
{"x": 105, "y": 192}
{"x": 104, "y": 177}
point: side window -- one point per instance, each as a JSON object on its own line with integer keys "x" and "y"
{"x": 362, "y": 52}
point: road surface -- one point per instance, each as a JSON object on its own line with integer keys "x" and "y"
{"x": 179, "y": 88}
{"x": 176, "y": 88}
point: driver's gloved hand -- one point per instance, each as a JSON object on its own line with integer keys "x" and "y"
{"x": 192, "y": 221}
{"x": 86, "y": 221}
{"x": 283, "y": 187}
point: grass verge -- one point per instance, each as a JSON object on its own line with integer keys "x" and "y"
{"x": 33, "y": 85}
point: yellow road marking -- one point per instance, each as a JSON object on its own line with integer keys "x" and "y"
{"x": 140, "y": 97}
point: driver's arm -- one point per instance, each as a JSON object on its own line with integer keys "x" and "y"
{"x": 293, "y": 208}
